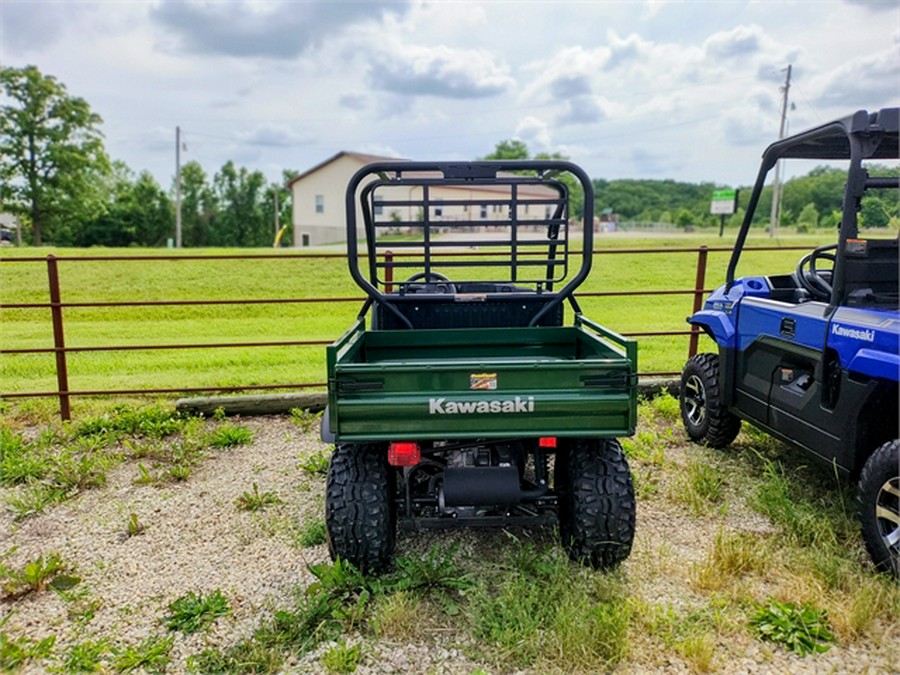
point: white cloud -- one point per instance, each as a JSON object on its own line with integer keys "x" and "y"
{"x": 535, "y": 133}
{"x": 280, "y": 30}
{"x": 437, "y": 71}
{"x": 872, "y": 80}
{"x": 740, "y": 42}
{"x": 623, "y": 51}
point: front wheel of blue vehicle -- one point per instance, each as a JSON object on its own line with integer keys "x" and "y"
{"x": 359, "y": 508}
{"x": 596, "y": 502}
{"x": 879, "y": 506}
{"x": 706, "y": 419}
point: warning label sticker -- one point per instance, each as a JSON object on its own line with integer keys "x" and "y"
{"x": 483, "y": 381}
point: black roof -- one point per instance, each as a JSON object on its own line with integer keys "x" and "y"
{"x": 877, "y": 130}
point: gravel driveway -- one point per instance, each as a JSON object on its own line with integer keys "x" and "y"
{"x": 197, "y": 540}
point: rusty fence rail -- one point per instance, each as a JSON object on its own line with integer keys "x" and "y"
{"x": 63, "y": 392}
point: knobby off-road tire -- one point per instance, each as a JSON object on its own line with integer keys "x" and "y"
{"x": 359, "y": 507}
{"x": 705, "y": 418}
{"x": 879, "y": 506}
{"x": 596, "y": 502}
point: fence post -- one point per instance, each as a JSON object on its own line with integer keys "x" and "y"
{"x": 388, "y": 271}
{"x": 59, "y": 340}
{"x": 699, "y": 283}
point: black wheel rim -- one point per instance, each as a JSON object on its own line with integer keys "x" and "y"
{"x": 694, "y": 397}
{"x": 887, "y": 514}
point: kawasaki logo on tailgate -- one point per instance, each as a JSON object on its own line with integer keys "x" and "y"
{"x": 520, "y": 404}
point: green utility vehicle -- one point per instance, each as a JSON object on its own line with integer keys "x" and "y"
{"x": 466, "y": 401}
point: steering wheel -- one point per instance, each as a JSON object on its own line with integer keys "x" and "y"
{"x": 434, "y": 283}
{"x": 812, "y": 278}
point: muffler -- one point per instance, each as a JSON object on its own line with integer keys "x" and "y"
{"x": 485, "y": 486}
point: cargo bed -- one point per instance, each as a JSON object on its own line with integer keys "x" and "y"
{"x": 482, "y": 383}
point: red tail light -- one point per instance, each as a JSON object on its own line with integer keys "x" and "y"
{"x": 404, "y": 454}
{"x": 548, "y": 442}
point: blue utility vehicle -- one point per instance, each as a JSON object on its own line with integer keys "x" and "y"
{"x": 812, "y": 356}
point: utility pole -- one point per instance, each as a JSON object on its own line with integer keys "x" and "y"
{"x": 177, "y": 187}
{"x": 776, "y": 184}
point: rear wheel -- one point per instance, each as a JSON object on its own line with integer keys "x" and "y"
{"x": 359, "y": 508}
{"x": 596, "y": 503}
{"x": 705, "y": 417}
{"x": 879, "y": 506}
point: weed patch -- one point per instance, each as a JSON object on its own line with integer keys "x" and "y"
{"x": 256, "y": 500}
{"x": 229, "y": 435}
{"x": 151, "y": 655}
{"x": 317, "y": 463}
{"x": 85, "y": 657}
{"x": 802, "y": 630}
{"x": 342, "y": 658}
{"x": 193, "y": 612}
{"x": 63, "y": 462}
{"x": 18, "y": 652}
{"x": 35, "y": 576}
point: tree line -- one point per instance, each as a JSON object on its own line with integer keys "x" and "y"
{"x": 57, "y": 178}
{"x": 810, "y": 201}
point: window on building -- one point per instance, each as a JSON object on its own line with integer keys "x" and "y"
{"x": 378, "y": 206}
{"x": 438, "y": 209}
{"x": 320, "y": 203}
{"x": 484, "y": 211}
{"x": 304, "y": 239}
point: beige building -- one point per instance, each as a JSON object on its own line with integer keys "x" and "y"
{"x": 319, "y": 215}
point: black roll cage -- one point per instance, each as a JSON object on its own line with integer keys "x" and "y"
{"x": 857, "y": 137}
{"x": 514, "y": 175}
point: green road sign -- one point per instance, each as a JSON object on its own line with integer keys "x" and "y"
{"x": 724, "y": 202}
{"x": 723, "y": 195}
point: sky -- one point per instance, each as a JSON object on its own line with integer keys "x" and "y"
{"x": 656, "y": 89}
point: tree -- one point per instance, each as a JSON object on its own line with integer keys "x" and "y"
{"x": 684, "y": 219}
{"x": 241, "y": 219}
{"x": 137, "y": 212}
{"x": 509, "y": 149}
{"x": 51, "y": 153}
{"x": 873, "y": 213}
{"x": 514, "y": 149}
{"x": 808, "y": 218}
{"x": 198, "y": 206}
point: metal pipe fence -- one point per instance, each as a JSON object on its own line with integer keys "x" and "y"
{"x": 64, "y": 392}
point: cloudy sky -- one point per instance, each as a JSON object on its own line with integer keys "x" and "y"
{"x": 628, "y": 89}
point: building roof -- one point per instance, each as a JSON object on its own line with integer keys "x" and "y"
{"x": 360, "y": 157}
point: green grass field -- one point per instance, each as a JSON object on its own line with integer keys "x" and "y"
{"x": 282, "y": 277}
